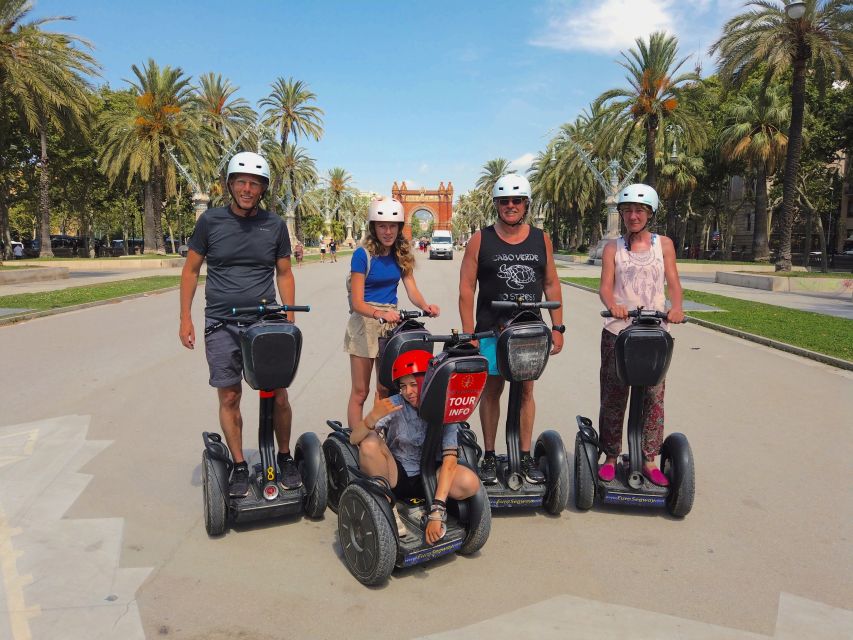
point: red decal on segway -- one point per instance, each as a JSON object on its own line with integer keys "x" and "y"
{"x": 463, "y": 394}
{"x": 267, "y": 394}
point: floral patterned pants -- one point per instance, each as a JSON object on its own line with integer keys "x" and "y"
{"x": 614, "y": 399}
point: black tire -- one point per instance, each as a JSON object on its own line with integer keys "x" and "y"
{"x": 551, "y": 456}
{"x": 339, "y": 456}
{"x": 369, "y": 544}
{"x": 481, "y": 522}
{"x": 677, "y": 464}
{"x": 584, "y": 478}
{"x": 312, "y": 467}
{"x": 215, "y": 509}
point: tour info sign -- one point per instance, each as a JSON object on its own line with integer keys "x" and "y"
{"x": 463, "y": 394}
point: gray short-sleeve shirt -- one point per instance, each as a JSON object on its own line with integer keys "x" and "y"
{"x": 405, "y": 432}
{"x": 241, "y": 254}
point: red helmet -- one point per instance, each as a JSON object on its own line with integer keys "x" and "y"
{"x": 410, "y": 363}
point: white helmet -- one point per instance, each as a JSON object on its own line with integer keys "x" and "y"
{"x": 384, "y": 209}
{"x": 511, "y": 184}
{"x": 248, "y": 162}
{"x": 641, "y": 193}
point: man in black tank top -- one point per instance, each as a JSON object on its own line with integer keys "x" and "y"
{"x": 508, "y": 260}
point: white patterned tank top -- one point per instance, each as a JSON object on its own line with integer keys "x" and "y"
{"x": 639, "y": 281}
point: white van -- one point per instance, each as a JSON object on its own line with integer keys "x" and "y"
{"x": 441, "y": 245}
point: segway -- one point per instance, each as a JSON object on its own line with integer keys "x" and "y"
{"x": 366, "y": 528}
{"x": 271, "y": 346}
{"x": 340, "y": 455}
{"x": 522, "y": 352}
{"x": 643, "y": 354}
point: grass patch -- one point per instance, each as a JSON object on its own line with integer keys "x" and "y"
{"x": 813, "y": 331}
{"x": 9, "y": 267}
{"x": 91, "y": 293}
{"x": 145, "y": 256}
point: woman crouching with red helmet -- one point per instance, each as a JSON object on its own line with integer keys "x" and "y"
{"x": 390, "y": 439}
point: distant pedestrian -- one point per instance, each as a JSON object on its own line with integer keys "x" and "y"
{"x": 18, "y": 251}
{"x": 299, "y": 253}
{"x": 322, "y": 250}
{"x": 333, "y": 250}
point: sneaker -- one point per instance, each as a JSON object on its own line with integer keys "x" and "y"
{"x": 239, "y": 481}
{"x": 531, "y": 471}
{"x": 289, "y": 473}
{"x": 656, "y": 476}
{"x": 489, "y": 470}
{"x": 402, "y": 531}
{"x": 607, "y": 472}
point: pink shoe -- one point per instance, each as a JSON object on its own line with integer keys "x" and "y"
{"x": 656, "y": 477}
{"x": 607, "y": 472}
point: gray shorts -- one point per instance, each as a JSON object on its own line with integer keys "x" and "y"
{"x": 224, "y": 358}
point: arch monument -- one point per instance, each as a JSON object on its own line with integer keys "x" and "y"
{"x": 438, "y": 203}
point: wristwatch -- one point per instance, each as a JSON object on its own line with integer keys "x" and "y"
{"x": 559, "y": 327}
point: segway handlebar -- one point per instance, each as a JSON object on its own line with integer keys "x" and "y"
{"x": 642, "y": 313}
{"x": 456, "y": 338}
{"x": 262, "y": 309}
{"x": 407, "y": 315}
{"x": 513, "y": 304}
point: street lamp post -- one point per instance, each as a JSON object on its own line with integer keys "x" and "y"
{"x": 795, "y": 10}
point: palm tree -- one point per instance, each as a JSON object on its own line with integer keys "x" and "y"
{"x": 297, "y": 174}
{"x": 341, "y": 191}
{"x": 288, "y": 111}
{"x": 42, "y": 74}
{"x": 492, "y": 171}
{"x": 679, "y": 176}
{"x": 764, "y": 35}
{"x": 146, "y": 140}
{"x": 756, "y": 134}
{"x": 652, "y": 98}
{"x": 227, "y": 115}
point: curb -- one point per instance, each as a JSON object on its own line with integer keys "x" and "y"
{"x": 767, "y": 342}
{"x": 31, "y": 315}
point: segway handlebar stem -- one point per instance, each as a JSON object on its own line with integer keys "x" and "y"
{"x": 642, "y": 313}
{"x": 513, "y": 304}
{"x": 456, "y": 338}
{"x": 407, "y": 315}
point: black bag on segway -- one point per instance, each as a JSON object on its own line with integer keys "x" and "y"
{"x": 271, "y": 350}
{"x": 643, "y": 354}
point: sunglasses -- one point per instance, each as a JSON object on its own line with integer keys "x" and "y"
{"x": 252, "y": 184}
{"x": 506, "y": 201}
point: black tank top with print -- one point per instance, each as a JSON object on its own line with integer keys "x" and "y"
{"x": 506, "y": 272}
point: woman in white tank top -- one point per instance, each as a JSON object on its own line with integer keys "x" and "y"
{"x": 634, "y": 269}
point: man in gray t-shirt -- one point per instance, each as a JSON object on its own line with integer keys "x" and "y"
{"x": 247, "y": 251}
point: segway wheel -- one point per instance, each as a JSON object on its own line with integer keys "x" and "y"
{"x": 551, "y": 456}
{"x": 339, "y": 456}
{"x": 312, "y": 467}
{"x": 215, "y": 510}
{"x": 586, "y": 465}
{"x": 368, "y": 542}
{"x": 480, "y": 524}
{"x": 677, "y": 465}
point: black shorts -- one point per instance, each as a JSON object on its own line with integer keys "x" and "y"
{"x": 224, "y": 358}
{"x": 409, "y": 487}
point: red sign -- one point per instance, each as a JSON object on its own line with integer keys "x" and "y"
{"x": 463, "y": 394}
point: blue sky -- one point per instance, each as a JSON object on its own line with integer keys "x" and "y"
{"x": 417, "y": 91}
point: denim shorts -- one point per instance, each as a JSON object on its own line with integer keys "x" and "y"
{"x": 224, "y": 358}
{"x": 489, "y": 350}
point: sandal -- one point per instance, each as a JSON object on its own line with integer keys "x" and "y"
{"x": 402, "y": 531}
{"x": 438, "y": 513}
{"x": 607, "y": 472}
{"x": 656, "y": 476}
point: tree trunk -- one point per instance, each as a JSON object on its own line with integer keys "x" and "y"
{"x": 792, "y": 159}
{"x": 149, "y": 194}
{"x": 5, "y": 236}
{"x": 44, "y": 197}
{"x": 651, "y": 168}
{"x": 760, "y": 237}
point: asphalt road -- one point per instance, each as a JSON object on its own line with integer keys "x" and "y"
{"x": 102, "y": 533}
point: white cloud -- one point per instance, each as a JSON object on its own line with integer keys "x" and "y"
{"x": 522, "y": 163}
{"x": 424, "y": 168}
{"x": 608, "y": 26}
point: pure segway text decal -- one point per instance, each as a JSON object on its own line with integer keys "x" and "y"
{"x": 463, "y": 394}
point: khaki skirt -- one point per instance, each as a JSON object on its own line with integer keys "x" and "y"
{"x": 363, "y": 334}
